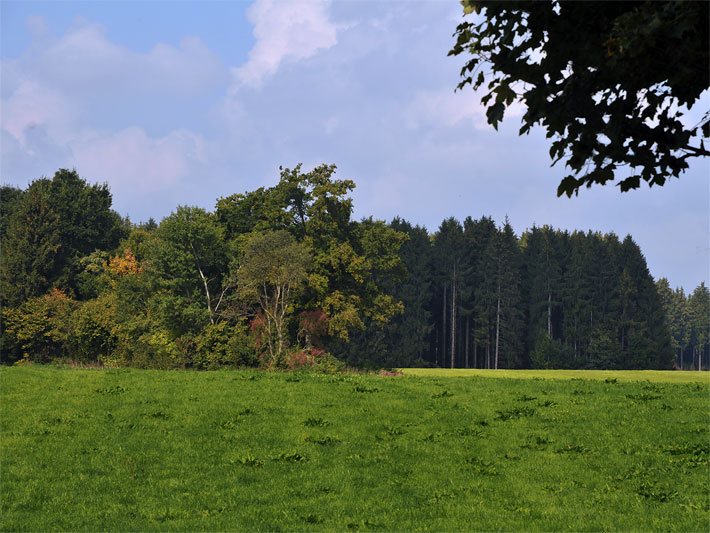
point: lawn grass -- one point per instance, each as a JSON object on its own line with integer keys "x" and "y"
{"x": 256, "y": 451}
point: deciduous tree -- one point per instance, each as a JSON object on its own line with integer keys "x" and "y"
{"x": 610, "y": 83}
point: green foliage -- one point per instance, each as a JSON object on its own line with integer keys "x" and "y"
{"x": 335, "y": 452}
{"x": 603, "y": 351}
{"x": 221, "y": 345}
{"x": 551, "y": 353}
{"x": 273, "y": 269}
{"x": 608, "y": 85}
{"x": 350, "y": 260}
{"x": 94, "y": 334}
{"x": 188, "y": 258}
{"x": 10, "y": 198}
{"x": 313, "y": 359}
{"x": 53, "y": 224}
{"x": 40, "y": 329}
{"x": 289, "y": 262}
{"x": 699, "y": 313}
{"x": 30, "y": 246}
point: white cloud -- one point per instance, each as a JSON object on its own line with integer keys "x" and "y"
{"x": 83, "y": 62}
{"x": 283, "y": 31}
{"x": 30, "y": 106}
{"x": 53, "y": 94}
{"x": 447, "y": 108}
{"x": 133, "y": 162}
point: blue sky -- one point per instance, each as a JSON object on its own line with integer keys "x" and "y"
{"x": 180, "y": 103}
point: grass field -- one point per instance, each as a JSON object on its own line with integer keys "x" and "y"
{"x": 248, "y": 450}
{"x": 654, "y": 376}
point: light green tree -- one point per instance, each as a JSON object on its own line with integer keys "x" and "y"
{"x": 273, "y": 268}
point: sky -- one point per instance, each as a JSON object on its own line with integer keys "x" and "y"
{"x": 181, "y": 103}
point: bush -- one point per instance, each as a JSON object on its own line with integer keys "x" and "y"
{"x": 221, "y": 345}
{"x": 94, "y": 331}
{"x": 313, "y": 359}
{"x": 39, "y": 330}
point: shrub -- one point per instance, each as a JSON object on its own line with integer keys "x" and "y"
{"x": 93, "y": 331}
{"x": 222, "y": 345}
{"x": 313, "y": 359}
{"x": 39, "y": 330}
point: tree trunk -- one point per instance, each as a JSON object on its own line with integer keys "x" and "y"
{"x": 497, "y": 328}
{"x": 467, "y": 337}
{"x": 549, "y": 314}
{"x": 475, "y": 347}
{"x": 453, "y": 320}
{"x": 443, "y": 328}
{"x": 204, "y": 282}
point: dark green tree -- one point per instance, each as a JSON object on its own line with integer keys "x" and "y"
{"x": 406, "y": 338}
{"x": 543, "y": 280}
{"x": 578, "y": 296}
{"x": 55, "y": 223}
{"x": 508, "y": 313}
{"x": 480, "y": 299}
{"x": 699, "y": 315}
{"x": 9, "y": 201}
{"x": 450, "y": 270}
{"x": 30, "y": 247}
{"x": 644, "y": 338}
{"x": 188, "y": 258}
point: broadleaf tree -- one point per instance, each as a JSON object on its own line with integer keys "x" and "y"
{"x": 610, "y": 84}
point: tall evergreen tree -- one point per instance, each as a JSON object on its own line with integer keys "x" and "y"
{"x": 644, "y": 338}
{"x": 543, "y": 277}
{"x": 481, "y": 238}
{"x": 30, "y": 248}
{"x": 54, "y": 224}
{"x": 699, "y": 315}
{"x": 409, "y": 332}
{"x": 450, "y": 270}
{"x": 509, "y": 317}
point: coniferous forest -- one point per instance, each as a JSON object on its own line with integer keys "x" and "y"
{"x": 283, "y": 277}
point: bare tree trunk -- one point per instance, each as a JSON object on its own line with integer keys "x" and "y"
{"x": 497, "y": 328}
{"x": 443, "y": 330}
{"x": 436, "y": 348}
{"x": 475, "y": 346}
{"x": 207, "y": 294}
{"x": 453, "y": 319}
{"x": 475, "y": 349}
{"x": 204, "y": 282}
{"x": 467, "y": 339}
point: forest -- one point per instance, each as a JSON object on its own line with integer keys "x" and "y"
{"x": 284, "y": 277}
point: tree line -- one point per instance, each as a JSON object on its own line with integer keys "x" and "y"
{"x": 283, "y": 277}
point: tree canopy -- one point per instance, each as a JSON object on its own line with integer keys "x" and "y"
{"x": 285, "y": 278}
{"x": 610, "y": 84}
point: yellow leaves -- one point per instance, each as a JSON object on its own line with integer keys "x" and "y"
{"x": 125, "y": 265}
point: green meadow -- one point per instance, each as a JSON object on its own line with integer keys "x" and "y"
{"x": 431, "y": 450}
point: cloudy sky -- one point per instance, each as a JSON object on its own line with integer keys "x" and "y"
{"x": 182, "y": 103}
